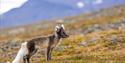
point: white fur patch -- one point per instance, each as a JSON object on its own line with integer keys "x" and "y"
{"x": 21, "y": 53}
{"x": 56, "y": 28}
{"x": 62, "y": 26}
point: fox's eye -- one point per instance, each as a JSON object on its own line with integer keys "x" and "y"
{"x": 63, "y": 32}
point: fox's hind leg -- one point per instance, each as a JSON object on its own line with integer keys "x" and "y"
{"x": 27, "y": 57}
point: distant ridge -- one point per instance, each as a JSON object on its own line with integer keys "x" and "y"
{"x": 37, "y": 10}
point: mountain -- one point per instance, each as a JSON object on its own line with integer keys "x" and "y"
{"x": 37, "y": 10}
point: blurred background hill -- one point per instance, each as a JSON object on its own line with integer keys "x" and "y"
{"x": 33, "y": 11}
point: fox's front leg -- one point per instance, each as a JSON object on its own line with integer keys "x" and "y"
{"x": 48, "y": 54}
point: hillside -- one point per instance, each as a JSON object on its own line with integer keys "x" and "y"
{"x": 95, "y": 37}
{"x": 35, "y": 10}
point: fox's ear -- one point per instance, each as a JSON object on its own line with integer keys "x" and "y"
{"x": 62, "y": 26}
{"x": 56, "y": 28}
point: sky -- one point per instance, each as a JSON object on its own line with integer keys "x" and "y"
{"x": 7, "y": 5}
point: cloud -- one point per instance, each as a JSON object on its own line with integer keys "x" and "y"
{"x": 6, "y": 5}
{"x": 97, "y": 1}
{"x": 80, "y": 4}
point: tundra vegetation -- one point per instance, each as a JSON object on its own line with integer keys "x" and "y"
{"x": 95, "y": 37}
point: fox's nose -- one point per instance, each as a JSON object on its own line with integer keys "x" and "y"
{"x": 67, "y": 35}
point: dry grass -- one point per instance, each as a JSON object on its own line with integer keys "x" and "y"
{"x": 105, "y": 46}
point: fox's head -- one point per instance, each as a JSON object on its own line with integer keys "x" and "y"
{"x": 60, "y": 31}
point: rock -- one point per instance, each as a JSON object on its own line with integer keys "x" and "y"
{"x": 114, "y": 39}
{"x": 97, "y": 27}
{"x": 61, "y": 48}
{"x": 16, "y": 31}
{"x": 83, "y": 44}
{"x": 94, "y": 39}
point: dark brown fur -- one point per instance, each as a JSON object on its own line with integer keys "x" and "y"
{"x": 49, "y": 43}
